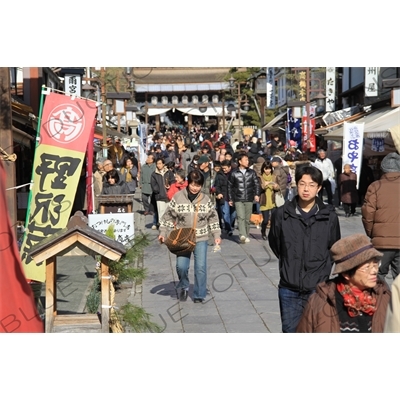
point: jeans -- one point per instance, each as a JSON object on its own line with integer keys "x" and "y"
{"x": 391, "y": 258}
{"x": 228, "y": 215}
{"x": 291, "y": 305}
{"x": 243, "y": 211}
{"x": 200, "y": 270}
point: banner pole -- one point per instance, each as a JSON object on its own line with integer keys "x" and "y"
{"x": 36, "y": 146}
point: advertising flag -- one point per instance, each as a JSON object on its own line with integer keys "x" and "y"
{"x": 18, "y": 311}
{"x": 353, "y": 141}
{"x": 65, "y": 129}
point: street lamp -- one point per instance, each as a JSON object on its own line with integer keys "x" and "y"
{"x": 246, "y": 105}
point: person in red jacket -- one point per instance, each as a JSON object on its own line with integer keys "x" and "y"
{"x": 178, "y": 185}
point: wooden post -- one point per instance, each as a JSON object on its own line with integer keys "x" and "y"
{"x": 51, "y": 292}
{"x": 6, "y": 143}
{"x": 105, "y": 296}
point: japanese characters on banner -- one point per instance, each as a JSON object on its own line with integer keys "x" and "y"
{"x": 73, "y": 84}
{"x": 353, "y": 140}
{"x": 371, "y": 81}
{"x": 142, "y": 132}
{"x": 293, "y": 129}
{"x": 330, "y": 89}
{"x": 270, "y": 101}
{"x": 66, "y": 125}
{"x": 309, "y": 140}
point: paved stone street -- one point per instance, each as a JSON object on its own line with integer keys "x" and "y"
{"x": 242, "y": 283}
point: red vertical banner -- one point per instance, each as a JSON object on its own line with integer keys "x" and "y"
{"x": 65, "y": 129}
{"x": 309, "y": 142}
{"x": 18, "y": 311}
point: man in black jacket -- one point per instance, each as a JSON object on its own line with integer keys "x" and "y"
{"x": 221, "y": 195}
{"x": 302, "y": 232}
{"x": 243, "y": 190}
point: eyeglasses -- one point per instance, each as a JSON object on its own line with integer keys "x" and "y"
{"x": 374, "y": 264}
{"x": 311, "y": 185}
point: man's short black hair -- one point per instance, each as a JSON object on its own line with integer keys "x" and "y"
{"x": 315, "y": 173}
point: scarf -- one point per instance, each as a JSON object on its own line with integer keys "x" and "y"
{"x": 357, "y": 300}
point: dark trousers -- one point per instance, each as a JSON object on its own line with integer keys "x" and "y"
{"x": 349, "y": 208}
{"x": 391, "y": 258}
{"x": 146, "y": 200}
{"x": 328, "y": 187}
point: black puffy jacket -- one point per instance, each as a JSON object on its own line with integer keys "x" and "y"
{"x": 302, "y": 247}
{"x": 243, "y": 186}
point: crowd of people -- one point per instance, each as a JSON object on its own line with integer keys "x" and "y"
{"x": 327, "y": 283}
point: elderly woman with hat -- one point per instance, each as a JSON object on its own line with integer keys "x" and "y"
{"x": 355, "y": 300}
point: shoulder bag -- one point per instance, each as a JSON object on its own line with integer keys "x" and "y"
{"x": 279, "y": 199}
{"x": 183, "y": 240}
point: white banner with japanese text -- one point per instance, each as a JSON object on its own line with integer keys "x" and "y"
{"x": 353, "y": 139}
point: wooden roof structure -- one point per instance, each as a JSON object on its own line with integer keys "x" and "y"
{"x": 77, "y": 239}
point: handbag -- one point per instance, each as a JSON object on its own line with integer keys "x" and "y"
{"x": 279, "y": 199}
{"x": 183, "y": 240}
{"x": 256, "y": 219}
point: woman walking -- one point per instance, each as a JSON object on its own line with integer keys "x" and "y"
{"x": 186, "y": 206}
{"x": 267, "y": 198}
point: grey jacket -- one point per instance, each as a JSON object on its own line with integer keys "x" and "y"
{"x": 145, "y": 177}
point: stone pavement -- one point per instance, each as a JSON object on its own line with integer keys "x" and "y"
{"x": 242, "y": 283}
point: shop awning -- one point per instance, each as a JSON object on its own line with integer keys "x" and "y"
{"x": 274, "y": 121}
{"x": 337, "y": 131}
{"x": 384, "y": 122}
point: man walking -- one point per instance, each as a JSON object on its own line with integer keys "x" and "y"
{"x": 302, "y": 232}
{"x": 325, "y": 165}
{"x": 381, "y": 217}
{"x": 221, "y": 195}
{"x": 243, "y": 190}
{"x": 145, "y": 182}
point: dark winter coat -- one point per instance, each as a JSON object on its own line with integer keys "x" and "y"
{"x": 243, "y": 186}
{"x": 348, "y": 188}
{"x": 118, "y": 188}
{"x": 221, "y": 186}
{"x": 158, "y": 179}
{"x": 302, "y": 247}
{"x": 321, "y": 315}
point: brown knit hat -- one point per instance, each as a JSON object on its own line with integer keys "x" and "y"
{"x": 352, "y": 251}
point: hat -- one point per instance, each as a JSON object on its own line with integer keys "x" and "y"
{"x": 203, "y": 159}
{"x": 352, "y": 251}
{"x": 293, "y": 143}
{"x": 260, "y": 160}
{"x": 391, "y": 163}
{"x": 276, "y": 159}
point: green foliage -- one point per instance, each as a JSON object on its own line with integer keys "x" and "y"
{"x": 110, "y": 232}
{"x": 124, "y": 269}
{"x": 137, "y": 319}
{"x": 93, "y": 299}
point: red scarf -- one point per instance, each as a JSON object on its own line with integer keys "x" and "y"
{"x": 357, "y": 300}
